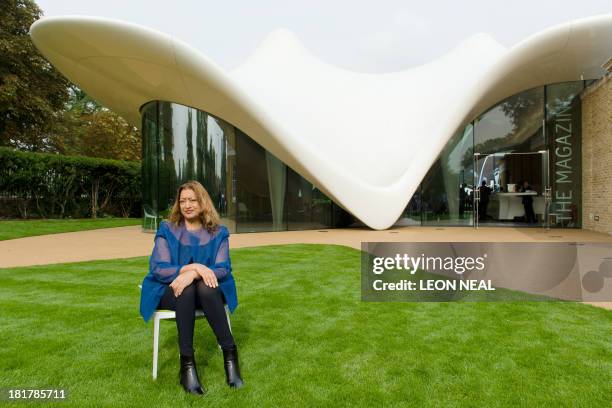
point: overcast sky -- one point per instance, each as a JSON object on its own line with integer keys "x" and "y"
{"x": 365, "y": 36}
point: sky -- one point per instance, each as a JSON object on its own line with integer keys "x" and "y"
{"x": 363, "y": 36}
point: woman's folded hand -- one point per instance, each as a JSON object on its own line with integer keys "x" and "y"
{"x": 181, "y": 282}
{"x": 207, "y": 275}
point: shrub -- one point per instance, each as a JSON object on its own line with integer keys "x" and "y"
{"x": 56, "y": 186}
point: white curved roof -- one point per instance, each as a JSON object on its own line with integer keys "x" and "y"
{"x": 366, "y": 140}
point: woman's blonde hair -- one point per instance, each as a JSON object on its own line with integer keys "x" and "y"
{"x": 209, "y": 215}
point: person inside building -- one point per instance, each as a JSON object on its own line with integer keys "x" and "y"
{"x": 485, "y": 192}
{"x": 530, "y": 216}
{"x": 462, "y": 200}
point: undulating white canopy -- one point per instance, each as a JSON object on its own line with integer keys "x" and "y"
{"x": 366, "y": 140}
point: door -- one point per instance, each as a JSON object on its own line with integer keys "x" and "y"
{"x": 511, "y": 189}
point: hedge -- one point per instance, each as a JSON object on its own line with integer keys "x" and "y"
{"x": 44, "y": 185}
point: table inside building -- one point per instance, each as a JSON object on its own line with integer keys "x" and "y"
{"x": 510, "y": 205}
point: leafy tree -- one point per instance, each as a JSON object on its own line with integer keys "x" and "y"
{"x": 86, "y": 128}
{"x": 109, "y": 136}
{"x": 40, "y": 110}
{"x": 101, "y": 134}
{"x": 32, "y": 92}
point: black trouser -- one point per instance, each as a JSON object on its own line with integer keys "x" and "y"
{"x": 197, "y": 295}
{"x": 482, "y": 210}
{"x": 530, "y": 216}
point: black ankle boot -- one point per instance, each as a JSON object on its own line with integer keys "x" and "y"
{"x": 189, "y": 375}
{"x": 232, "y": 370}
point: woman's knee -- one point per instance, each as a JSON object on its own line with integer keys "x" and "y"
{"x": 205, "y": 291}
{"x": 188, "y": 291}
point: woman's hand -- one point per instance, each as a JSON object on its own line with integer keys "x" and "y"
{"x": 182, "y": 281}
{"x": 207, "y": 275}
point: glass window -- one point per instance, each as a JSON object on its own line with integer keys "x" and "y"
{"x": 185, "y": 144}
{"x": 307, "y": 207}
{"x": 255, "y": 191}
{"x": 261, "y": 188}
{"x": 514, "y": 125}
{"x": 150, "y": 159}
{"x": 446, "y": 190}
{"x": 251, "y": 189}
{"x": 412, "y": 212}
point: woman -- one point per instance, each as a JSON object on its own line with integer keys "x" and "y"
{"x": 190, "y": 268}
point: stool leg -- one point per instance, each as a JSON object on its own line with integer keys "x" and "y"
{"x": 155, "y": 345}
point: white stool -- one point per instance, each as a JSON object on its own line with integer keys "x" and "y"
{"x": 171, "y": 315}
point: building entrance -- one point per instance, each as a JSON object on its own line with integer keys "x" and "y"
{"x": 511, "y": 189}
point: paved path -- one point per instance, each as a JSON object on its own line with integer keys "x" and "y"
{"x": 126, "y": 242}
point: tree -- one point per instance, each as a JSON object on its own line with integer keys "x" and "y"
{"x": 32, "y": 92}
{"x": 88, "y": 129}
{"x": 109, "y": 136}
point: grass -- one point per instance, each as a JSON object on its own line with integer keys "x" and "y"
{"x": 30, "y": 228}
{"x": 305, "y": 339}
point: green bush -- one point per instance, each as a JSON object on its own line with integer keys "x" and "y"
{"x": 56, "y": 186}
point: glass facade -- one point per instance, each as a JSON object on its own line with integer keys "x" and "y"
{"x": 514, "y": 125}
{"x": 307, "y": 207}
{"x": 251, "y": 188}
{"x": 446, "y": 189}
{"x": 530, "y": 140}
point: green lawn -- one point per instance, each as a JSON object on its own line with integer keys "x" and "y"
{"x": 305, "y": 339}
{"x": 30, "y": 228}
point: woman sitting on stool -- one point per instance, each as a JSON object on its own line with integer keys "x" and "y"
{"x": 190, "y": 268}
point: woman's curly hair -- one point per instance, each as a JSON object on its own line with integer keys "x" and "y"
{"x": 209, "y": 216}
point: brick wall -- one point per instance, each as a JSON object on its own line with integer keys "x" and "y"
{"x": 597, "y": 156}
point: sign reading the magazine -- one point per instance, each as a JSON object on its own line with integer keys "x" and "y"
{"x": 486, "y": 271}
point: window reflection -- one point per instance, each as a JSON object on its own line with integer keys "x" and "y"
{"x": 255, "y": 191}
{"x": 510, "y": 147}
{"x": 513, "y": 125}
{"x": 448, "y": 186}
{"x": 251, "y": 188}
{"x": 190, "y": 145}
{"x": 150, "y": 159}
{"x": 307, "y": 207}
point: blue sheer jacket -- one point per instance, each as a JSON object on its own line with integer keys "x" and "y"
{"x": 175, "y": 246}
